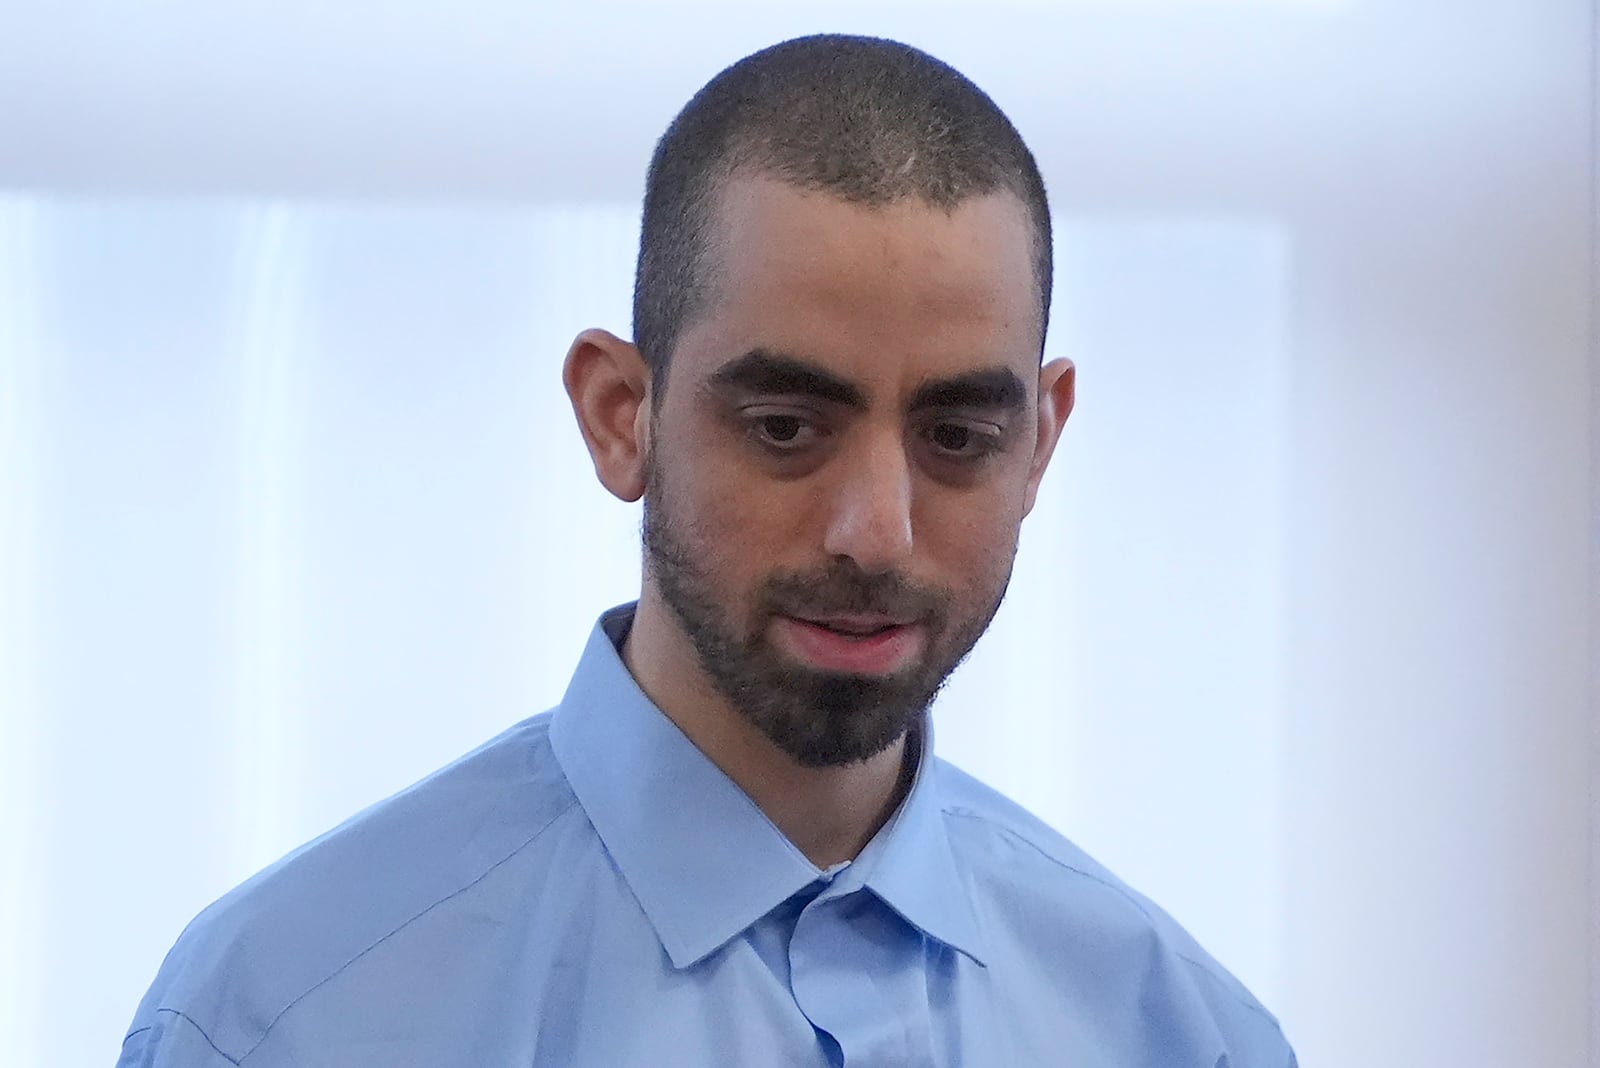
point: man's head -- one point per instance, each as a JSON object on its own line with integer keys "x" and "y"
{"x": 845, "y": 264}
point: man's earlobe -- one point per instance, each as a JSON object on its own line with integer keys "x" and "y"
{"x": 609, "y": 385}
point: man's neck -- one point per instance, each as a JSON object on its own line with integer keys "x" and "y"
{"x": 830, "y": 814}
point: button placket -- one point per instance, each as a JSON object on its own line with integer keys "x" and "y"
{"x": 856, "y": 971}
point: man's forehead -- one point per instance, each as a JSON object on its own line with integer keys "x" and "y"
{"x": 885, "y": 298}
{"x": 758, "y": 222}
{"x": 783, "y": 244}
{"x": 745, "y": 196}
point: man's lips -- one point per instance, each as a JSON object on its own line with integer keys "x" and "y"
{"x": 854, "y": 623}
{"x": 851, "y": 643}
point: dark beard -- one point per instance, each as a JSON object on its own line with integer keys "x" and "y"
{"x": 821, "y": 719}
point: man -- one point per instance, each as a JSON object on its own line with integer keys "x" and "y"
{"x": 731, "y": 844}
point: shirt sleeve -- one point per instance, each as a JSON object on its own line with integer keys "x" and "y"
{"x": 171, "y": 1040}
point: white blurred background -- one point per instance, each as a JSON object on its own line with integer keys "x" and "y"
{"x": 292, "y": 510}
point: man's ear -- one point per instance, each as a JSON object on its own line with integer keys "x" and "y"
{"x": 1057, "y": 391}
{"x": 609, "y": 384}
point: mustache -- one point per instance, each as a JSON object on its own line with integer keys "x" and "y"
{"x": 846, "y": 588}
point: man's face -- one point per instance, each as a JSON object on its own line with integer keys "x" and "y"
{"x": 842, "y": 457}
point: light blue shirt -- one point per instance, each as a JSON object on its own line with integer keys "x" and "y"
{"x": 588, "y": 889}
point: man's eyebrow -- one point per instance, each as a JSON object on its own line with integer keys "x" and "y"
{"x": 997, "y": 387}
{"x": 764, "y": 371}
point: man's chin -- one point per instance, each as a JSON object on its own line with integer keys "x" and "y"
{"x": 844, "y": 720}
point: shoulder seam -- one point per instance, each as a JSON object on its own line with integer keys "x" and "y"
{"x": 186, "y": 1018}
{"x": 1249, "y": 1003}
{"x": 408, "y": 922}
{"x": 1122, "y": 892}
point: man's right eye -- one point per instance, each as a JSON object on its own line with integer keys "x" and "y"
{"x": 782, "y": 431}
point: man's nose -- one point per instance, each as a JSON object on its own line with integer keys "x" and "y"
{"x": 870, "y": 521}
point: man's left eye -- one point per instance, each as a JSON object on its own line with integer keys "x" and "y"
{"x": 952, "y": 437}
{"x": 780, "y": 429}
{"x": 963, "y": 441}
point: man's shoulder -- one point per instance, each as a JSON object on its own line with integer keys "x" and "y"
{"x": 318, "y": 910}
{"x": 1065, "y": 903}
{"x": 1003, "y": 845}
{"x": 1002, "y": 837}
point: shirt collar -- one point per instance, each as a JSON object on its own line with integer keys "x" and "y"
{"x": 702, "y": 860}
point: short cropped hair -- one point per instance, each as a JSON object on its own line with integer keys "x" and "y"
{"x": 866, "y": 120}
